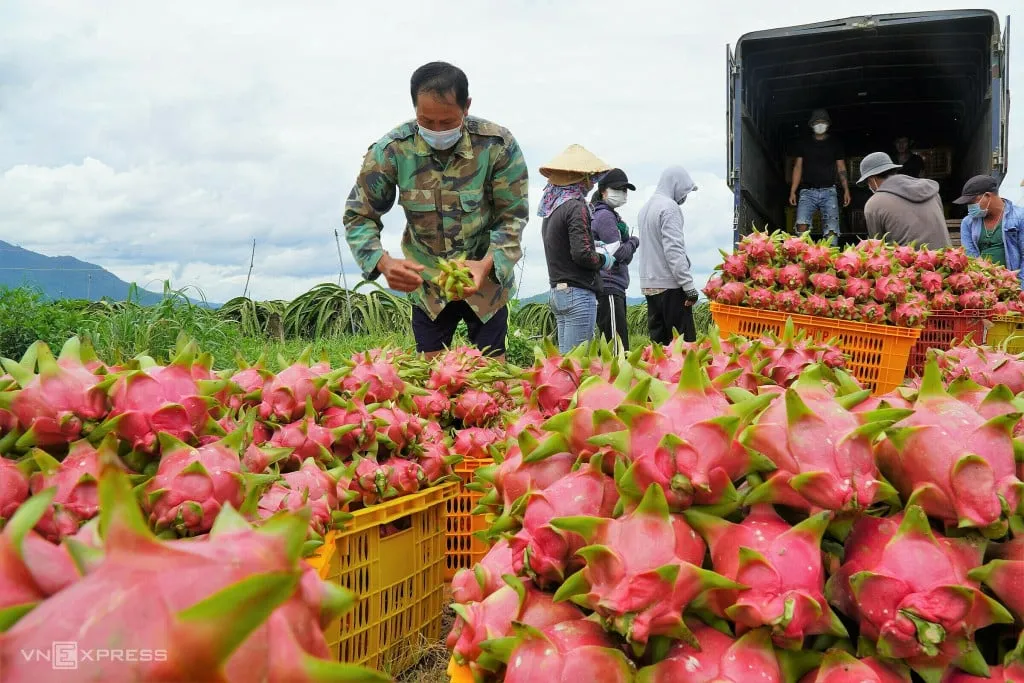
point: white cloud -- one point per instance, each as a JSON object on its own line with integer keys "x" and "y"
{"x": 160, "y": 139}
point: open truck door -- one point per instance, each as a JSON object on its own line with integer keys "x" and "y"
{"x": 1001, "y": 102}
{"x": 732, "y": 152}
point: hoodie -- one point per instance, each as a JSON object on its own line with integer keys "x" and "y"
{"x": 906, "y": 210}
{"x": 663, "y": 260}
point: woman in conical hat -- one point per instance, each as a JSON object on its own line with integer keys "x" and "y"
{"x": 573, "y": 260}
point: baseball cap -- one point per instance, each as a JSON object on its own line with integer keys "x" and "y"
{"x": 819, "y": 115}
{"x": 979, "y": 184}
{"x": 616, "y": 179}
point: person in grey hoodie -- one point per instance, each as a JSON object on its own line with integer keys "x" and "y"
{"x": 665, "y": 278}
{"x": 902, "y": 209}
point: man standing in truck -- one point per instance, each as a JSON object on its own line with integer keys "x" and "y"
{"x": 819, "y": 159}
{"x": 462, "y": 182}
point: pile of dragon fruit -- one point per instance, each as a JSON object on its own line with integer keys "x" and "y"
{"x": 872, "y": 282}
{"x": 697, "y": 513}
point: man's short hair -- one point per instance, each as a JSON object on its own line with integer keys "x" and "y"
{"x": 441, "y": 79}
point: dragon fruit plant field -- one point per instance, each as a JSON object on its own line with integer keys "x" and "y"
{"x": 737, "y": 511}
{"x": 872, "y": 282}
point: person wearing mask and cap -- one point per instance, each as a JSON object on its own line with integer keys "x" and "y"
{"x": 902, "y": 210}
{"x": 665, "y": 277}
{"x": 911, "y": 164}
{"x": 993, "y": 227}
{"x": 819, "y": 160}
{"x": 609, "y": 228}
{"x": 573, "y": 260}
{"x": 463, "y": 184}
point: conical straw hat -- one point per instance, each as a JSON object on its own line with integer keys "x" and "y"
{"x": 575, "y": 159}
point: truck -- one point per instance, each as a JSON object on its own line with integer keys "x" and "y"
{"x": 937, "y": 77}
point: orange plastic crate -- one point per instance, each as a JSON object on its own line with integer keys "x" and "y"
{"x": 876, "y": 355}
{"x": 465, "y": 549}
{"x": 941, "y": 329}
{"x": 398, "y": 580}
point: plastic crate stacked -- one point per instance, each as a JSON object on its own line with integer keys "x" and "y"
{"x": 941, "y": 330}
{"x": 392, "y": 556}
{"x": 876, "y": 355}
{"x": 464, "y": 548}
{"x": 1008, "y": 332}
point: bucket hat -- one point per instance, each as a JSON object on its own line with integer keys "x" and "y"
{"x": 875, "y": 163}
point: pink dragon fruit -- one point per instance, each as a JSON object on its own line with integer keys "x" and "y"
{"x": 826, "y": 284}
{"x": 432, "y": 405}
{"x": 873, "y": 313}
{"x": 822, "y": 451}
{"x": 571, "y": 651}
{"x": 794, "y": 247}
{"x": 554, "y": 380}
{"x": 257, "y": 459}
{"x": 944, "y": 301}
{"x": 248, "y": 386}
{"x": 931, "y": 282}
{"x": 781, "y": 567}
{"x": 474, "y": 443}
{"x": 817, "y": 258}
{"x": 492, "y": 618}
{"x": 850, "y": 263}
{"x": 403, "y": 477}
{"x": 734, "y": 265}
{"x": 732, "y": 293}
{"x": 451, "y": 370}
{"x": 512, "y": 478}
{"x": 879, "y": 265}
{"x": 788, "y": 356}
{"x": 544, "y": 552}
{"x": 713, "y": 287}
{"x": 761, "y": 298}
{"x": 844, "y": 308}
{"x": 839, "y": 666}
{"x": 284, "y": 396}
{"x": 322, "y": 492}
{"x": 970, "y": 301}
{"x": 928, "y": 260}
{"x": 792, "y": 276}
{"x": 589, "y": 414}
{"x": 719, "y": 658}
{"x": 61, "y": 404}
{"x": 351, "y": 412}
{"x": 911, "y": 595}
{"x": 889, "y": 289}
{"x": 397, "y": 430}
{"x": 1005, "y": 574}
{"x": 373, "y": 373}
{"x": 763, "y": 275}
{"x": 476, "y": 584}
{"x": 956, "y": 260}
{"x": 758, "y": 246}
{"x": 642, "y": 569}
{"x": 955, "y": 464}
{"x": 435, "y": 456}
{"x": 858, "y": 288}
{"x": 909, "y": 315}
{"x": 191, "y": 485}
{"x": 76, "y": 500}
{"x": 476, "y": 408}
{"x": 368, "y": 480}
{"x": 985, "y": 366}
{"x": 818, "y": 305}
{"x": 959, "y": 283}
{"x": 789, "y": 301}
{"x": 13, "y": 488}
{"x": 210, "y": 605}
{"x": 905, "y": 256}
{"x": 306, "y": 439}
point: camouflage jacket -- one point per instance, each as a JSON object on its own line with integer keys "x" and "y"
{"x": 472, "y": 204}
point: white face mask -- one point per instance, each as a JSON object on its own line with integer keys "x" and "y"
{"x": 615, "y": 198}
{"x": 820, "y": 128}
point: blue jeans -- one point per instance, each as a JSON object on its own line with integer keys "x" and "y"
{"x": 575, "y": 311}
{"x": 824, "y": 199}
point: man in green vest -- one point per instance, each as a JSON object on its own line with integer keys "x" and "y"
{"x": 462, "y": 182}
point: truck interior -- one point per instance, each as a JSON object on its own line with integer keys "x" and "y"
{"x": 935, "y": 77}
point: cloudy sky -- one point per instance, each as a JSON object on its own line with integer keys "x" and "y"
{"x": 159, "y": 139}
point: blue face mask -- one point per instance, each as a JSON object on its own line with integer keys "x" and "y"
{"x": 975, "y": 211}
{"x": 441, "y": 140}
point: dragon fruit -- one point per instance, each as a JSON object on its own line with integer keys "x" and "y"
{"x": 955, "y": 464}
{"x": 451, "y": 370}
{"x": 642, "y": 570}
{"x": 719, "y": 658}
{"x": 320, "y": 491}
{"x": 789, "y": 301}
{"x": 342, "y": 413}
{"x": 435, "y": 457}
{"x": 761, "y": 298}
{"x": 397, "y": 430}
{"x": 589, "y": 414}
{"x": 61, "y": 404}
{"x": 544, "y": 552}
{"x": 732, "y": 293}
{"x": 874, "y": 312}
{"x": 879, "y": 265}
{"x": 432, "y": 405}
{"x": 211, "y": 606}
{"x": 763, "y": 275}
{"x": 781, "y": 567}
{"x": 13, "y": 488}
{"x": 971, "y": 301}
{"x": 858, "y": 289}
{"x": 476, "y": 408}
{"x": 506, "y": 482}
{"x": 839, "y": 666}
{"x": 1005, "y": 574}
{"x": 790, "y": 355}
{"x": 554, "y": 380}
{"x": 284, "y": 396}
{"x": 928, "y": 260}
{"x": 258, "y": 459}
{"x": 822, "y": 451}
{"x": 850, "y": 263}
{"x": 956, "y": 260}
{"x": 373, "y": 373}
{"x": 475, "y": 584}
{"x": 76, "y": 500}
{"x": 793, "y": 248}
{"x": 758, "y": 246}
{"x": 516, "y": 602}
{"x": 931, "y": 282}
{"x": 910, "y": 593}
{"x": 403, "y": 477}
{"x": 985, "y": 366}
{"x": 909, "y": 315}
{"x": 474, "y": 443}
{"x": 792, "y": 276}
{"x": 817, "y": 258}
{"x": 889, "y": 289}
{"x": 307, "y": 439}
{"x": 844, "y": 308}
{"x": 818, "y": 305}
{"x": 713, "y": 287}
{"x": 826, "y": 284}
{"x": 734, "y": 265}
{"x": 944, "y": 301}
{"x": 959, "y": 283}
{"x": 567, "y": 652}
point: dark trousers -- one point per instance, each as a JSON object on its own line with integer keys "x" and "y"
{"x": 604, "y": 316}
{"x": 667, "y": 312}
{"x": 436, "y": 335}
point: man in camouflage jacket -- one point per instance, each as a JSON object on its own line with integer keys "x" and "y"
{"x": 462, "y": 183}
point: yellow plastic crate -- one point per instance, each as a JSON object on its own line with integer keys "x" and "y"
{"x": 1008, "y": 329}
{"x": 876, "y": 355}
{"x": 465, "y": 549}
{"x": 398, "y": 579}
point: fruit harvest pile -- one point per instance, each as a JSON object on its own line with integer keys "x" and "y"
{"x": 872, "y": 282}
{"x": 167, "y": 507}
{"x": 721, "y": 511}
